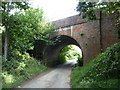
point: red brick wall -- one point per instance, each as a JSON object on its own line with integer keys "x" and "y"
{"x": 90, "y": 41}
{"x": 108, "y": 34}
{"x": 97, "y": 35}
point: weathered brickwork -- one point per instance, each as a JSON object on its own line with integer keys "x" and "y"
{"x": 109, "y": 36}
{"x": 92, "y": 37}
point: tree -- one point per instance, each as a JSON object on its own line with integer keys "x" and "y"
{"x": 27, "y": 26}
{"x": 6, "y": 8}
{"x": 69, "y": 53}
{"x": 88, "y": 9}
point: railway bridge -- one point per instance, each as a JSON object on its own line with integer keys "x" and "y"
{"x": 93, "y": 37}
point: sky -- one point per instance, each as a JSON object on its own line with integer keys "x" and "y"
{"x": 56, "y": 9}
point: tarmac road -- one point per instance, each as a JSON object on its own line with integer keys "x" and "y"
{"x": 56, "y": 78}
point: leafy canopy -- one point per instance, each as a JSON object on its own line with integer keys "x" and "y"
{"x": 26, "y": 27}
{"x": 7, "y": 7}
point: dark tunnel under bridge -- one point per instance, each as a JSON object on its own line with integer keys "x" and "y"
{"x": 51, "y": 52}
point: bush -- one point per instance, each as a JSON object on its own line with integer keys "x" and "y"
{"x": 20, "y": 69}
{"x": 70, "y": 53}
{"x": 101, "y": 72}
{"x": 80, "y": 60}
{"x": 62, "y": 58}
{"x": 25, "y": 26}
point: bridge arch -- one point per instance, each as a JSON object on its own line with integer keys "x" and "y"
{"x": 51, "y": 52}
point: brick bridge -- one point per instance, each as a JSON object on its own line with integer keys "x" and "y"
{"x": 91, "y": 36}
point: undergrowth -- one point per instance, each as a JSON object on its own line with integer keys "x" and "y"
{"x": 101, "y": 72}
{"x": 15, "y": 72}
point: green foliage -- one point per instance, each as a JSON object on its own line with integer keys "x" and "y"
{"x": 81, "y": 34}
{"x": 27, "y": 27}
{"x": 62, "y": 58}
{"x": 6, "y": 10}
{"x": 88, "y": 10}
{"x": 80, "y": 60}
{"x": 101, "y": 72}
{"x": 7, "y": 7}
{"x": 15, "y": 72}
{"x": 69, "y": 53}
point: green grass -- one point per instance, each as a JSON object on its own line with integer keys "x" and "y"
{"x": 33, "y": 67}
{"x": 101, "y": 72}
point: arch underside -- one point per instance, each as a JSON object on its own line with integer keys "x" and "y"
{"x": 51, "y": 52}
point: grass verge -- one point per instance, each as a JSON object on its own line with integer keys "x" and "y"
{"x": 101, "y": 72}
{"x": 32, "y": 67}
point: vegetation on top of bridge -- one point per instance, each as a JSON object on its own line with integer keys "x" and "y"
{"x": 101, "y": 72}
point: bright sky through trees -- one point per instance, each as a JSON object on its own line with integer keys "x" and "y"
{"x": 56, "y": 9}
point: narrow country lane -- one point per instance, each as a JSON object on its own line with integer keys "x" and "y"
{"x": 56, "y": 78}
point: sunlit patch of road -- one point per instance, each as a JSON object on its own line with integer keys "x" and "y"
{"x": 56, "y": 78}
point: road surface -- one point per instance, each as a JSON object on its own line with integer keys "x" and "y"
{"x": 56, "y": 78}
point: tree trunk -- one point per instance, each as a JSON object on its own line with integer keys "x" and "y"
{"x": 6, "y": 43}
